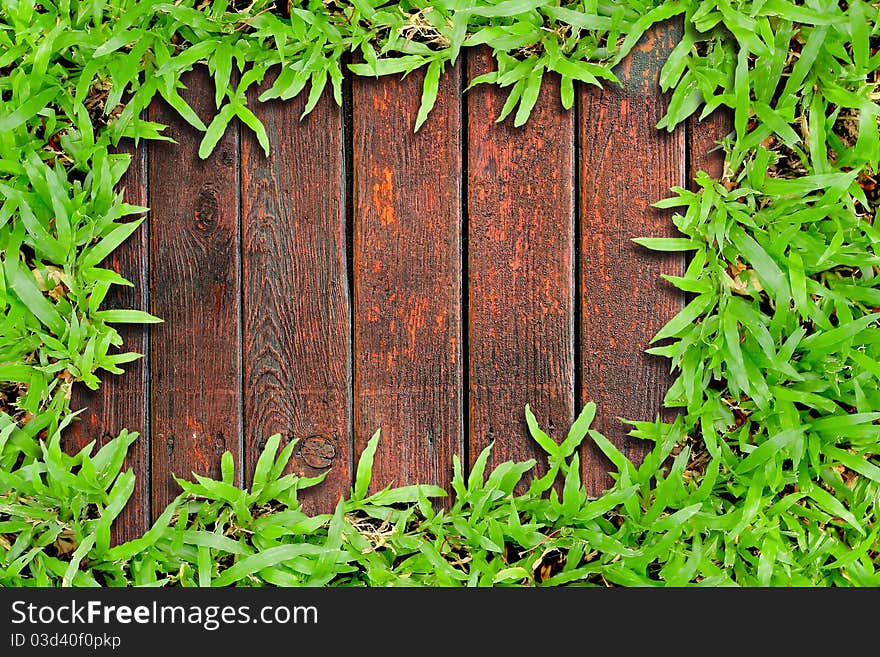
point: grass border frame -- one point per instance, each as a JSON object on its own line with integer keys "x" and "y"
{"x": 765, "y": 450}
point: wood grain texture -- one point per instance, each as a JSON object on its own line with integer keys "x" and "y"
{"x": 195, "y": 287}
{"x": 297, "y": 347}
{"x": 520, "y": 217}
{"x": 122, "y": 402}
{"x": 626, "y": 164}
{"x": 702, "y": 144}
{"x": 407, "y": 278}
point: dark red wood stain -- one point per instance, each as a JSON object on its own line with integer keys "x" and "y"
{"x": 520, "y": 269}
{"x": 297, "y": 349}
{"x": 195, "y": 288}
{"x": 625, "y": 165}
{"x": 407, "y": 278}
{"x": 122, "y": 401}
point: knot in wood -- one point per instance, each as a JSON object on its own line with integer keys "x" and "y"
{"x": 317, "y": 452}
{"x": 207, "y": 209}
{"x": 217, "y": 442}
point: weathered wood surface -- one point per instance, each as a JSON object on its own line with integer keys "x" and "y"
{"x": 521, "y": 231}
{"x": 407, "y": 278}
{"x": 625, "y": 165}
{"x": 195, "y": 286}
{"x": 297, "y": 345}
{"x": 429, "y": 284}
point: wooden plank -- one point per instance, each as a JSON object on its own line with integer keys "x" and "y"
{"x": 625, "y": 165}
{"x": 195, "y": 287}
{"x": 297, "y": 346}
{"x": 407, "y": 278}
{"x": 520, "y": 269}
{"x": 122, "y": 402}
{"x": 702, "y": 144}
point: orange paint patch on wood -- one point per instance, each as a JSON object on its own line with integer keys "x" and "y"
{"x": 383, "y": 196}
{"x": 193, "y": 424}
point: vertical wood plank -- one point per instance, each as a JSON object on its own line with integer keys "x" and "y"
{"x": 520, "y": 269}
{"x": 625, "y": 165}
{"x": 407, "y": 278}
{"x": 703, "y": 151}
{"x": 122, "y": 402}
{"x": 195, "y": 287}
{"x": 297, "y": 346}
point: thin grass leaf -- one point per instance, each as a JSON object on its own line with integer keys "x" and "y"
{"x": 76, "y": 559}
{"x": 365, "y": 467}
{"x": 26, "y": 110}
{"x": 545, "y": 441}
{"x": 215, "y": 130}
{"x": 266, "y": 559}
{"x": 429, "y": 92}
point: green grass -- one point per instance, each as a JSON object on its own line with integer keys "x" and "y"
{"x": 769, "y": 474}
